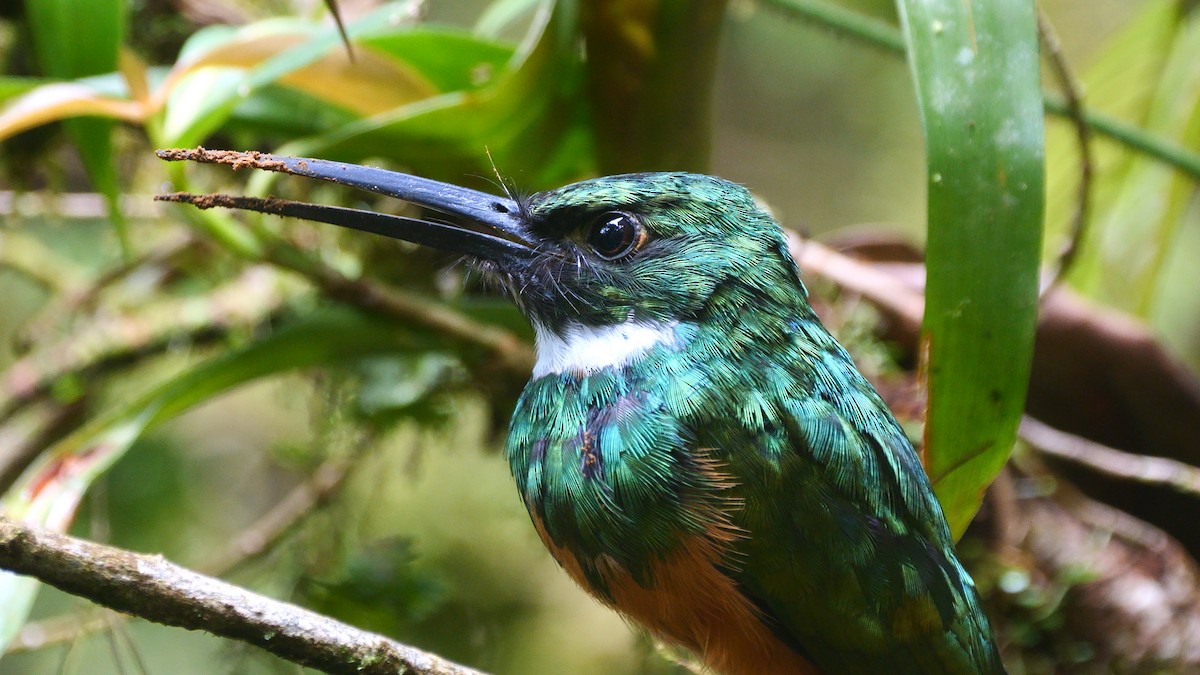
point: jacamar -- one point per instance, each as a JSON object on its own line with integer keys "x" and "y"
{"x": 694, "y": 448}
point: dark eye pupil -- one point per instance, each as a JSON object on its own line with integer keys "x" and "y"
{"x": 614, "y": 235}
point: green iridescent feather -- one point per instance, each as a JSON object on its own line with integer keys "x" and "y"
{"x": 846, "y": 551}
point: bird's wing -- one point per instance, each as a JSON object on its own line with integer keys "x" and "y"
{"x": 848, "y": 552}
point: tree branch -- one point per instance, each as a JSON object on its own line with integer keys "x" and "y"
{"x": 154, "y": 589}
{"x": 1163, "y": 471}
{"x": 511, "y": 353}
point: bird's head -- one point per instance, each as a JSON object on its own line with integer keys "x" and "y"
{"x": 645, "y": 249}
{"x": 642, "y": 248}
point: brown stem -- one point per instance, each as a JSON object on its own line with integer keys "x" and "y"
{"x": 157, "y": 590}
{"x": 512, "y": 354}
{"x": 262, "y": 536}
{"x": 255, "y": 541}
{"x": 1125, "y": 465}
{"x": 1073, "y": 92}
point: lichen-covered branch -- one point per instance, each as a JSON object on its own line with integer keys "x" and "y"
{"x": 155, "y": 589}
{"x": 257, "y": 540}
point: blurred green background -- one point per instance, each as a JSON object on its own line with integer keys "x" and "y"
{"x": 426, "y": 540}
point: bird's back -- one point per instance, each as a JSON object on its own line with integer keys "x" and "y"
{"x": 847, "y": 552}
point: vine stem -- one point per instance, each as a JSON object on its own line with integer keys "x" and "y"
{"x": 882, "y": 35}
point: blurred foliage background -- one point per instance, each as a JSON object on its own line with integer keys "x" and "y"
{"x": 318, "y": 415}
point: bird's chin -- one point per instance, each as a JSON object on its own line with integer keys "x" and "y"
{"x": 495, "y": 276}
{"x": 489, "y": 268}
{"x": 492, "y": 272}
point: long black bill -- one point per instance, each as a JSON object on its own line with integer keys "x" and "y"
{"x": 507, "y": 239}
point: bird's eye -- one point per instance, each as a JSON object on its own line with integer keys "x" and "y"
{"x": 615, "y": 235}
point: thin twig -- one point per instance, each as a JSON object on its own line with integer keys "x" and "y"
{"x": 76, "y": 298}
{"x": 1128, "y": 466}
{"x": 511, "y": 353}
{"x": 61, "y": 629}
{"x": 266, "y": 532}
{"x": 30, "y": 257}
{"x": 154, "y": 589}
{"x": 1073, "y": 91}
{"x": 124, "y": 341}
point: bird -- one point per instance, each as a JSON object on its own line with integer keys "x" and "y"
{"x": 693, "y": 447}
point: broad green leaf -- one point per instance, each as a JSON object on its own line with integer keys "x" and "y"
{"x": 17, "y": 594}
{"x": 975, "y": 65}
{"x": 369, "y": 84}
{"x": 203, "y": 93}
{"x": 76, "y": 38}
{"x": 273, "y": 115}
{"x": 449, "y": 59}
{"x": 439, "y": 59}
{"x": 525, "y": 123}
{"x": 49, "y": 491}
{"x": 73, "y": 39}
{"x": 198, "y": 104}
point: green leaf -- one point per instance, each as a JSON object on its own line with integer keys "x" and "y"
{"x": 17, "y": 594}
{"x": 449, "y": 59}
{"x": 975, "y": 65}
{"x": 530, "y": 121}
{"x": 395, "y": 65}
{"x": 220, "y": 67}
{"x": 74, "y": 39}
{"x": 1142, "y": 203}
{"x": 198, "y": 104}
{"x": 49, "y": 490}
{"x": 501, "y": 15}
{"x": 275, "y": 114}
{"x": 11, "y": 87}
{"x": 59, "y": 101}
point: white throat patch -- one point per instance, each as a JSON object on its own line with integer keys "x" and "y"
{"x": 586, "y": 349}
